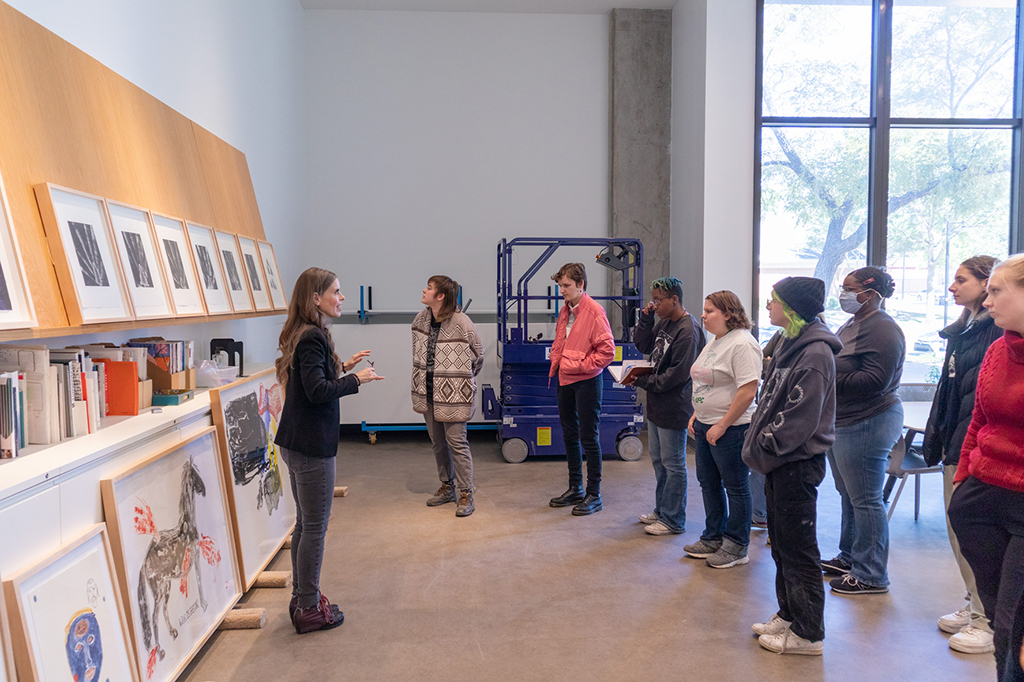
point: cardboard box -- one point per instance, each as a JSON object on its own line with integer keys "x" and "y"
{"x": 163, "y": 381}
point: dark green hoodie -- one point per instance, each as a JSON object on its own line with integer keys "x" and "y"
{"x": 796, "y": 411}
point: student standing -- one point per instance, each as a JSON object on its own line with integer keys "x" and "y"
{"x": 310, "y": 370}
{"x": 582, "y": 348}
{"x": 673, "y": 343}
{"x": 987, "y": 507}
{"x": 446, "y": 357}
{"x": 967, "y": 339}
{"x": 793, "y": 426}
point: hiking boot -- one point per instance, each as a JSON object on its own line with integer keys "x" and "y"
{"x": 788, "y": 642}
{"x": 835, "y": 566}
{"x": 774, "y": 626}
{"x": 702, "y": 549}
{"x": 444, "y": 495}
{"x": 465, "y": 507}
{"x": 972, "y": 640}
{"x": 851, "y": 586}
{"x": 323, "y": 616}
{"x": 648, "y": 519}
{"x": 568, "y": 498}
{"x": 728, "y": 555}
{"x": 955, "y": 622}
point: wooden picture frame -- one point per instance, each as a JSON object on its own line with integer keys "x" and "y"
{"x": 180, "y": 267}
{"x": 234, "y": 273}
{"x": 143, "y": 272}
{"x": 84, "y": 256}
{"x": 7, "y": 671}
{"x": 147, "y": 507}
{"x": 274, "y": 282}
{"x": 246, "y": 413}
{"x": 256, "y": 273}
{"x": 68, "y": 617}
{"x": 210, "y": 269}
{"x": 16, "y": 308}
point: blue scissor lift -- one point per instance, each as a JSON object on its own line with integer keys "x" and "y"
{"x": 527, "y": 411}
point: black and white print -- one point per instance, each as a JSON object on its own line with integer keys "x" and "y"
{"x": 254, "y": 278}
{"x": 271, "y": 280}
{"x": 206, "y": 265}
{"x": 5, "y": 295}
{"x": 234, "y": 281}
{"x": 94, "y": 273}
{"x": 137, "y": 260}
{"x": 175, "y": 263}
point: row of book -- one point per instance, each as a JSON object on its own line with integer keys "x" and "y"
{"x": 50, "y": 395}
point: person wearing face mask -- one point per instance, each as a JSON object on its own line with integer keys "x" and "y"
{"x": 967, "y": 339}
{"x": 869, "y": 421}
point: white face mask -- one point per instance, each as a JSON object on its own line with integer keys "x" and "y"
{"x": 849, "y": 303}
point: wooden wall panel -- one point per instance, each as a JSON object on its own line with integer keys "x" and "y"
{"x": 67, "y": 119}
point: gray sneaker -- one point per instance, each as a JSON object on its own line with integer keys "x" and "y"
{"x": 728, "y": 555}
{"x": 702, "y": 549}
{"x": 444, "y": 495}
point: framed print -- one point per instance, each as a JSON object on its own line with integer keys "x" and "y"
{"x": 68, "y": 620}
{"x": 209, "y": 269}
{"x": 84, "y": 256}
{"x": 246, "y": 413}
{"x": 253, "y": 264}
{"x": 234, "y": 274}
{"x": 147, "y": 286}
{"x": 274, "y": 283}
{"x": 176, "y": 259}
{"x": 174, "y": 552}
{"x": 7, "y": 673}
{"x": 16, "y": 310}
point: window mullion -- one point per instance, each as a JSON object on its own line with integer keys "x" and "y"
{"x": 878, "y": 151}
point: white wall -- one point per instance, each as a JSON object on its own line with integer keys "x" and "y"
{"x": 235, "y": 68}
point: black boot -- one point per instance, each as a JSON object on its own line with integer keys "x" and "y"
{"x": 570, "y": 497}
{"x": 588, "y": 505}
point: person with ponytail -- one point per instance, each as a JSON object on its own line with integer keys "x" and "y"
{"x": 446, "y": 357}
{"x": 967, "y": 339}
{"x": 789, "y": 432}
{"x": 310, "y": 370}
{"x": 869, "y": 421}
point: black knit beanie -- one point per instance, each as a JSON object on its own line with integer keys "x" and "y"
{"x": 805, "y": 295}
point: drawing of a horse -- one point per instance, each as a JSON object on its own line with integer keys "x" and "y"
{"x": 170, "y": 555}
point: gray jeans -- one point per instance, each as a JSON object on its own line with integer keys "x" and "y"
{"x": 451, "y": 450}
{"x": 312, "y": 481}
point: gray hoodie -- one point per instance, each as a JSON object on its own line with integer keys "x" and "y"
{"x": 796, "y": 411}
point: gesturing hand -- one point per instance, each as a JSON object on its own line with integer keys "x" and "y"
{"x": 368, "y": 374}
{"x": 349, "y": 364}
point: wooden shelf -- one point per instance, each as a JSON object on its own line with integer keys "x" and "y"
{"x": 102, "y": 328}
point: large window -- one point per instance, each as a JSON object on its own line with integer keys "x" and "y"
{"x": 889, "y": 133}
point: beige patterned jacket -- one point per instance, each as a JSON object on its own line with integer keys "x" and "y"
{"x": 458, "y": 357}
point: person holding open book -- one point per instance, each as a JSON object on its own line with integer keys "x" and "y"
{"x": 673, "y": 342}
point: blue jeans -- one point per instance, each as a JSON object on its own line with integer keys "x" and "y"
{"x": 722, "y": 474}
{"x": 579, "y": 411}
{"x": 858, "y": 459}
{"x": 668, "y": 455}
{"x": 312, "y": 482}
{"x": 758, "y": 501}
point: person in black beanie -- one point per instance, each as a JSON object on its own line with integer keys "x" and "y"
{"x": 793, "y": 427}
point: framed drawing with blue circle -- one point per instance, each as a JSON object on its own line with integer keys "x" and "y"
{"x": 67, "y": 618}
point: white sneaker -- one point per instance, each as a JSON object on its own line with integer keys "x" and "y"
{"x": 648, "y": 519}
{"x": 972, "y": 640}
{"x": 659, "y": 528}
{"x": 774, "y": 626}
{"x": 955, "y": 622}
{"x": 788, "y": 642}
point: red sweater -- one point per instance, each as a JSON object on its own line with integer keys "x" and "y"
{"x": 993, "y": 451}
{"x": 589, "y": 347}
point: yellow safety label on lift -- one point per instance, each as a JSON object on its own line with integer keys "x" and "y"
{"x": 543, "y": 435}
{"x": 618, "y": 354}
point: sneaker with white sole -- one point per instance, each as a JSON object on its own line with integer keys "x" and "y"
{"x": 702, "y": 549}
{"x": 972, "y": 640}
{"x": 788, "y": 642}
{"x": 955, "y": 622}
{"x": 836, "y": 566}
{"x": 648, "y": 519}
{"x": 774, "y": 626}
{"x": 849, "y": 585}
{"x": 659, "y": 528}
{"x": 728, "y": 555}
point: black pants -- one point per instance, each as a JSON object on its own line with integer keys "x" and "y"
{"x": 989, "y": 523}
{"x": 312, "y": 481}
{"x": 579, "y": 410}
{"x": 792, "y": 494}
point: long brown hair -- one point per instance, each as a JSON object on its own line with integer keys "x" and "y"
{"x": 450, "y": 288}
{"x": 303, "y": 315}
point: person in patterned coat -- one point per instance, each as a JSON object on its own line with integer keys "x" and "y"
{"x": 446, "y": 357}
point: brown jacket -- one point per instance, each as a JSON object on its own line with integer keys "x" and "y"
{"x": 458, "y": 358}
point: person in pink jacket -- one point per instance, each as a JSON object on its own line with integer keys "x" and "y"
{"x": 583, "y": 347}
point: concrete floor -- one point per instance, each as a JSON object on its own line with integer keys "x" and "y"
{"x": 521, "y": 591}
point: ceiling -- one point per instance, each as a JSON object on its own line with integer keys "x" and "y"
{"x": 497, "y": 6}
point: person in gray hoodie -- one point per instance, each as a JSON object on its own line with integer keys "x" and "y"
{"x": 793, "y": 427}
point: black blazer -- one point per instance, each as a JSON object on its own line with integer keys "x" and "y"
{"x": 311, "y": 415}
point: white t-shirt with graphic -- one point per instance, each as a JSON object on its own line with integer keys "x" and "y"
{"x": 722, "y": 367}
